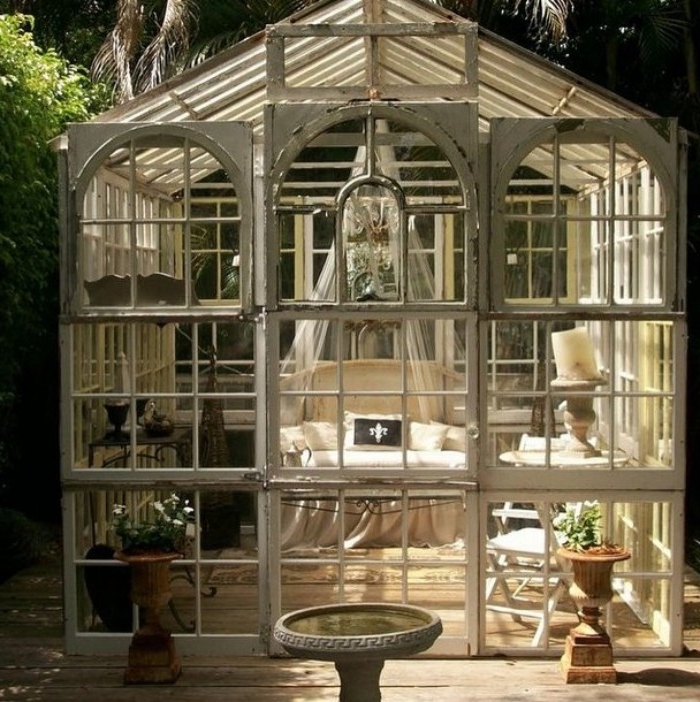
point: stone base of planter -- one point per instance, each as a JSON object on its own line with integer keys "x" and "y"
{"x": 588, "y": 659}
{"x": 152, "y": 658}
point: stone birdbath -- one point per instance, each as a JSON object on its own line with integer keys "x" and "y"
{"x": 358, "y": 638}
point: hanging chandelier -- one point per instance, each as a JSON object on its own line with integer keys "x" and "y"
{"x": 370, "y": 227}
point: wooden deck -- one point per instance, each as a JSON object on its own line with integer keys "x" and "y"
{"x": 33, "y": 667}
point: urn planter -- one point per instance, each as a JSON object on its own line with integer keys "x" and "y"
{"x": 588, "y": 655}
{"x": 152, "y": 654}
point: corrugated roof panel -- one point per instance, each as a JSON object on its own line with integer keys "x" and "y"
{"x": 522, "y": 82}
{"x": 418, "y": 66}
{"x": 493, "y": 103}
{"x": 179, "y": 98}
{"x": 449, "y": 51}
{"x": 141, "y": 109}
{"x": 231, "y": 96}
{"x": 446, "y": 63}
{"x": 584, "y": 103}
{"x": 239, "y": 69}
{"x": 325, "y": 60}
{"x": 328, "y": 74}
{"x": 514, "y": 71}
{"x": 411, "y": 61}
{"x": 251, "y": 116}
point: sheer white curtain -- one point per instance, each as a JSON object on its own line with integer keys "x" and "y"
{"x": 315, "y": 337}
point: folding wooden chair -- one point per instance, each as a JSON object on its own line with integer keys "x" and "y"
{"x": 520, "y": 553}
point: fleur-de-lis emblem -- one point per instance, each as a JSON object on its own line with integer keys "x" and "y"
{"x": 378, "y": 432}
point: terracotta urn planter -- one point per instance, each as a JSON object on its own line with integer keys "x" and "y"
{"x": 152, "y": 654}
{"x": 588, "y": 654}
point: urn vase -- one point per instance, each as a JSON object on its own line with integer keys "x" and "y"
{"x": 152, "y": 654}
{"x": 588, "y": 655}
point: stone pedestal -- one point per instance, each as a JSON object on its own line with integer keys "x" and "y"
{"x": 359, "y": 680}
{"x": 152, "y": 658}
{"x": 588, "y": 659}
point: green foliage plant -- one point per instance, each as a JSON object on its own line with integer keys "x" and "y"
{"x": 163, "y": 528}
{"x": 580, "y": 528}
{"x": 40, "y": 93}
{"x": 23, "y": 542}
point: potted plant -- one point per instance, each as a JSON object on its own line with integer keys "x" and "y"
{"x": 163, "y": 531}
{"x": 588, "y": 654}
{"x": 149, "y": 545}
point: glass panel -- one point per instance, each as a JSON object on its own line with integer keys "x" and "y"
{"x": 375, "y": 545}
{"x": 310, "y": 276}
{"x": 586, "y": 228}
{"x": 397, "y": 399}
{"x": 641, "y": 615}
{"x": 527, "y": 579}
{"x": 220, "y": 580}
{"x": 149, "y": 197}
{"x": 431, "y": 241}
{"x": 103, "y": 600}
{"x": 216, "y": 261}
{"x": 426, "y": 175}
{"x": 589, "y": 243}
{"x": 135, "y": 411}
{"x": 631, "y": 626}
{"x": 326, "y": 163}
{"x": 372, "y": 221}
{"x": 531, "y": 248}
{"x": 572, "y": 409}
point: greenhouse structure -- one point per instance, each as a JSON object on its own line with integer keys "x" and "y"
{"x": 380, "y": 293}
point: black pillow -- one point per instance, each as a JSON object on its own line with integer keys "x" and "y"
{"x": 377, "y": 432}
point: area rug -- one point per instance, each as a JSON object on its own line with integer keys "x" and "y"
{"x": 381, "y": 567}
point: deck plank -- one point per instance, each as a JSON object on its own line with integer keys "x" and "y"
{"x": 402, "y": 681}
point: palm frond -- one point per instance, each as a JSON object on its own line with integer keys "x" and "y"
{"x": 169, "y": 45}
{"x": 662, "y": 28}
{"x": 203, "y": 50}
{"x": 243, "y": 18}
{"x": 112, "y": 63}
{"x": 550, "y": 16}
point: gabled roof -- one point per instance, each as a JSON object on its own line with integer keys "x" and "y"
{"x": 408, "y": 45}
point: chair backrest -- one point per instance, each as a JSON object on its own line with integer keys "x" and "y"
{"x": 517, "y": 517}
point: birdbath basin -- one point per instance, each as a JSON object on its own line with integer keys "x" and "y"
{"x": 358, "y": 638}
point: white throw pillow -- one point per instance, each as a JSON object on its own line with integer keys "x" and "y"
{"x": 455, "y": 439}
{"x": 426, "y": 437}
{"x": 373, "y": 432}
{"x": 321, "y": 436}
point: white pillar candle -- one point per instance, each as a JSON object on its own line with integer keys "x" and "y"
{"x": 574, "y": 356}
{"x": 122, "y": 382}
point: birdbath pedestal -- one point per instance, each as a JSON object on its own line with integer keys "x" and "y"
{"x": 358, "y": 638}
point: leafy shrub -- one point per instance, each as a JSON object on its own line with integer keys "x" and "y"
{"x": 23, "y": 542}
